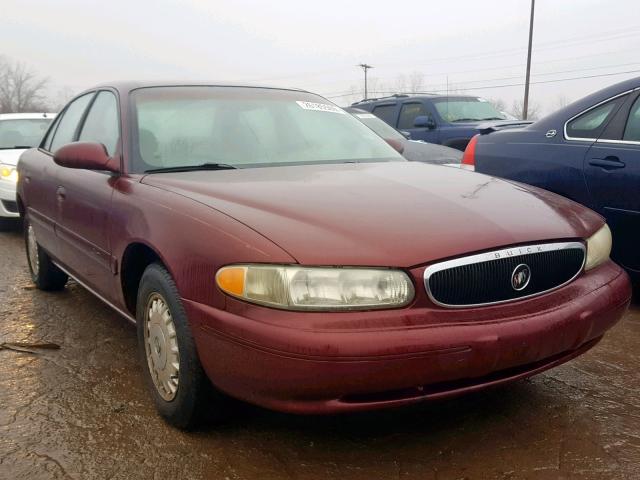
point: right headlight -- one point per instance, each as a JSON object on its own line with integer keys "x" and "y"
{"x": 293, "y": 287}
{"x": 598, "y": 248}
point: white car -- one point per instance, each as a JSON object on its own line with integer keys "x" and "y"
{"x": 18, "y": 132}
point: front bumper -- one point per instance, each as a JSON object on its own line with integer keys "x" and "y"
{"x": 364, "y": 360}
{"x": 8, "y": 206}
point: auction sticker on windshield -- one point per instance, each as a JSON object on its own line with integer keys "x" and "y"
{"x": 320, "y": 107}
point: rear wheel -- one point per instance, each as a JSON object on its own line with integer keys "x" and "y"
{"x": 172, "y": 369}
{"x": 44, "y": 273}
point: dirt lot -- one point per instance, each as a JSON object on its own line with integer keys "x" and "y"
{"x": 81, "y": 412}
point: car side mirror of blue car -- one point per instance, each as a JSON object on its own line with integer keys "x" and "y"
{"x": 424, "y": 121}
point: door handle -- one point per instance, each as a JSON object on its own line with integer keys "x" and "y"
{"x": 608, "y": 163}
{"x": 61, "y": 193}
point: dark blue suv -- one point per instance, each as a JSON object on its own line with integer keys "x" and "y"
{"x": 447, "y": 120}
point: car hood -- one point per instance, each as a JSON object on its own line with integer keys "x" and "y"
{"x": 394, "y": 214}
{"x": 10, "y": 157}
{"x": 418, "y": 151}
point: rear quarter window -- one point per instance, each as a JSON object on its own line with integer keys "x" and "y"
{"x": 591, "y": 123}
{"x": 386, "y": 113}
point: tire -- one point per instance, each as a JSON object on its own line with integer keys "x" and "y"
{"x": 44, "y": 273}
{"x": 181, "y": 396}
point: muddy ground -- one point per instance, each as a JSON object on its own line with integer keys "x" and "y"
{"x": 82, "y": 412}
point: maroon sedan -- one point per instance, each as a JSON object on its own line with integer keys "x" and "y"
{"x": 272, "y": 247}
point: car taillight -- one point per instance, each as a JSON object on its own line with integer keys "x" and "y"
{"x": 469, "y": 158}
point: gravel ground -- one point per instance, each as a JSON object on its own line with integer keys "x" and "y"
{"x": 81, "y": 412}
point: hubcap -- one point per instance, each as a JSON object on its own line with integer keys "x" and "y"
{"x": 161, "y": 347}
{"x": 32, "y": 245}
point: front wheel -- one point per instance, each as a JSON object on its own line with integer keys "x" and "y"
{"x": 172, "y": 369}
{"x": 44, "y": 273}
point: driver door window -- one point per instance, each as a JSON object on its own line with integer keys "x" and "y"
{"x": 101, "y": 125}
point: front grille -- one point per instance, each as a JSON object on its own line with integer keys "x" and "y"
{"x": 10, "y": 206}
{"x": 503, "y": 275}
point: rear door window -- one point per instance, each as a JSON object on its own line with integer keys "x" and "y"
{"x": 590, "y": 124}
{"x": 386, "y": 113}
{"x": 408, "y": 114}
{"x": 68, "y": 125}
{"x": 632, "y": 129}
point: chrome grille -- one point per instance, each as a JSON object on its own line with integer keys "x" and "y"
{"x": 499, "y": 276}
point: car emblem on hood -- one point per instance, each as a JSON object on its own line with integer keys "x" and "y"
{"x": 520, "y": 277}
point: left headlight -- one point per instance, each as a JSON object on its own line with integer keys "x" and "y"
{"x": 292, "y": 287}
{"x": 598, "y": 248}
{"x": 8, "y": 172}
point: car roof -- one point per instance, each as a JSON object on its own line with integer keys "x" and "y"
{"x": 124, "y": 87}
{"x": 411, "y": 96}
{"x": 25, "y": 116}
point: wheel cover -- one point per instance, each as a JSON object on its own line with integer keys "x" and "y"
{"x": 161, "y": 346}
{"x": 32, "y": 251}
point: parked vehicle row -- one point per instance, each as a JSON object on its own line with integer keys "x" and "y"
{"x": 271, "y": 247}
{"x": 448, "y": 120}
{"x": 18, "y": 132}
{"x": 588, "y": 151}
{"x": 413, "y": 150}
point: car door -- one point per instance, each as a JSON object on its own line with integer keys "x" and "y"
{"x": 612, "y": 172}
{"x": 85, "y": 202}
{"x": 41, "y": 183}
{"x": 411, "y": 110}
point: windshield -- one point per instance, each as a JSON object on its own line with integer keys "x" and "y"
{"x": 245, "y": 127}
{"x": 22, "y": 133}
{"x": 466, "y": 110}
{"x": 382, "y": 128}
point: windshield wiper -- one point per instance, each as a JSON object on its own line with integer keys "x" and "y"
{"x": 17, "y": 147}
{"x": 467, "y": 120}
{"x": 192, "y": 168}
{"x": 493, "y": 118}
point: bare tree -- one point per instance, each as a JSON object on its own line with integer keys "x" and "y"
{"x": 533, "y": 110}
{"x": 416, "y": 82}
{"x": 21, "y": 89}
{"x": 401, "y": 84}
{"x": 560, "y": 102}
{"x": 498, "y": 104}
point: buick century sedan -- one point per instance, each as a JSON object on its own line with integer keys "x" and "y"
{"x": 272, "y": 248}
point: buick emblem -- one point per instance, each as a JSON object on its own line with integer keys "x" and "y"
{"x": 520, "y": 277}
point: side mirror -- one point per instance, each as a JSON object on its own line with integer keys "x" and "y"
{"x": 424, "y": 121}
{"x": 405, "y": 134}
{"x": 85, "y": 155}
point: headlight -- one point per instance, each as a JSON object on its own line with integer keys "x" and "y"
{"x": 316, "y": 288}
{"x": 598, "y": 248}
{"x": 9, "y": 172}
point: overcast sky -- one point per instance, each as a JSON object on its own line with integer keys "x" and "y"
{"x": 460, "y": 44}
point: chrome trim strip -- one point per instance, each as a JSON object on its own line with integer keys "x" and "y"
{"x": 495, "y": 255}
{"x": 100, "y": 297}
{"x": 567, "y": 137}
{"x": 622, "y": 142}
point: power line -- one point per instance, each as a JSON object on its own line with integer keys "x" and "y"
{"x": 603, "y": 36}
{"x": 461, "y": 85}
{"x": 487, "y": 87}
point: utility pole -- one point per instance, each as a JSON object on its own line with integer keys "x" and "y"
{"x": 365, "y": 67}
{"x": 525, "y": 107}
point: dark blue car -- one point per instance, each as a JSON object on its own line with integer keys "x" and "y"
{"x": 588, "y": 151}
{"x": 447, "y": 120}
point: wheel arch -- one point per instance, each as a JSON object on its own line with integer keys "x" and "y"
{"x": 137, "y": 256}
